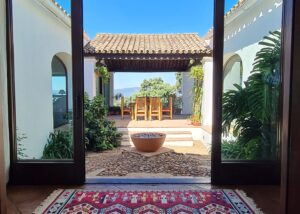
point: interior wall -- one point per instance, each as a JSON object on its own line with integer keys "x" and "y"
{"x": 4, "y": 134}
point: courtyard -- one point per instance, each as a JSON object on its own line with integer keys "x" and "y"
{"x": 183, "y": 154}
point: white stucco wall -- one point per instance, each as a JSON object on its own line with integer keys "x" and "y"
{"x": 207, "y": 107}
{"x": 247, "y": 26}
{"x": 39, "y": 34}
{"x": 4, "y": 128}
{"x": 90, "y": 76}
{"x": 234, "y": 75}
{"x": 187, "y": 96}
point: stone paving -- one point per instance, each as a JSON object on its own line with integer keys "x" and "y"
{"x": 178, "y": 121}
{"x": 167, "y": 162}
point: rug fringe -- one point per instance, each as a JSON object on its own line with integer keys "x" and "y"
{"x": 250, "y": 202}
{"x": 41, "y": 208}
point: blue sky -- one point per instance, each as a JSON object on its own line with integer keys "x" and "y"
{"x": 146, "y": 16}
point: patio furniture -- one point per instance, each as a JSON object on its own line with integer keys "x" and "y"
{"x": 168, "y": 110}
{"x": 148, "y": 141}
{"x": 155, "y": 108}
{"x": 125, "y": 109}
{"x": 140, "y": 108}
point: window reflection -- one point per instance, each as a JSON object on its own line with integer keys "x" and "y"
{"x": 59, "y": 92}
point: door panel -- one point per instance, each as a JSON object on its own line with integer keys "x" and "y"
{"x": 247, "y": 90}
{"x": 46, "y": 91}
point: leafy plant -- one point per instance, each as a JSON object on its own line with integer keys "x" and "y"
{"x": 196, "y": 117}
{"x": 20, "y": 147}
{"x": 59, "y": 146}
{"x": 177, "y": 102}
{"x": 100, "y": 133}
{"x": 197, "y": 73}
{"x": 251, "y": 112}
{"x": 178, "y": 85}
{"x": 115, "y": 110}
{"x": 234, "y": 150}
{"x": 103, "y": 71}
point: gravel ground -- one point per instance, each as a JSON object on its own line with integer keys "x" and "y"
{"x": 119, "y": 162}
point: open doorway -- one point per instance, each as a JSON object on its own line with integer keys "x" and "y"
{"x": 166, "y": 70}
{"x": 158, "y": 46}
{"x": 159, "y": 50}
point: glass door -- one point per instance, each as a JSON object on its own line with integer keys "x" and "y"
{"x": 247, "y": 90}
{"x": 46, "y": 90}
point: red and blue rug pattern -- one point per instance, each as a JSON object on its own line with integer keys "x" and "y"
{"x": 71, "y": 201}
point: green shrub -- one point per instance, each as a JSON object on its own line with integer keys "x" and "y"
{"x": 235, "y": 150}
{"x": 100, "y": 133}
{"x": 251, "y": 113}
{"x": 59, "y": 146}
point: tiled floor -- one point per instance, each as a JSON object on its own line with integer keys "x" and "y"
{"x": 24, "y": 199}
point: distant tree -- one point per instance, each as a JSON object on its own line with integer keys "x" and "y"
{"x": 118, "y": 96}
{"x": 62, "y": 92}
{"x": 178, "y": 85}
{"x": 156, "y": 87}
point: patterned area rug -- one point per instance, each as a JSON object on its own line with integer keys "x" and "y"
{"x": 147, "y": 202}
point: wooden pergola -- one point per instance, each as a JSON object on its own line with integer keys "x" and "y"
{"x": 148, "y": 52}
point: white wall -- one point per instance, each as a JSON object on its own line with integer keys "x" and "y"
{"x": 232, "y": 76}
{"x": 207, "y": 107}
{"x": 187, "y": 95}
{"x": 247, "y": 26}
{"x": 38, "y": 36}
{"x": 90, "y": 76}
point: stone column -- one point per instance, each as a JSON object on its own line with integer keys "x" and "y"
{"x": 90, "y": 76}
{"x": 207, "y": 91}
{"x": 187, "y": 96}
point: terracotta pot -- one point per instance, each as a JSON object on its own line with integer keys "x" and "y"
{"x": 196, "y": 123}
{"x": 148, "y": 141}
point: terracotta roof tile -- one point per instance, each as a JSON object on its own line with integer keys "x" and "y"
{"x": 239, "y": 4}
{"x": 60, "y": 8}
{"x": 147, "y": 43}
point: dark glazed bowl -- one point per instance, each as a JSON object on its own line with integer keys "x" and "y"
{"x": 148, "y": 141}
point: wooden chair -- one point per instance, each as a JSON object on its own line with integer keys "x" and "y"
{"x": 155, "y": 108}
{"x": 124, "y": 109}
{"x": 169, "y": 109}
{"x": 140, "y": 107}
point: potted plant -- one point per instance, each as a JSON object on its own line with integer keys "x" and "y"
{"x": 197, "y": 73}
{"x": 114, "y": 110}
{"x": 196, "y": 119}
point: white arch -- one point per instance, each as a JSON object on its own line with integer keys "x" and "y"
{"x": 233, "y": 72}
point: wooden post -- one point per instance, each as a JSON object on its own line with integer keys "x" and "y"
{"x": 122, "y": 108}
{"x": 3, "y": 101}
{"x": 171, "y": 108}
